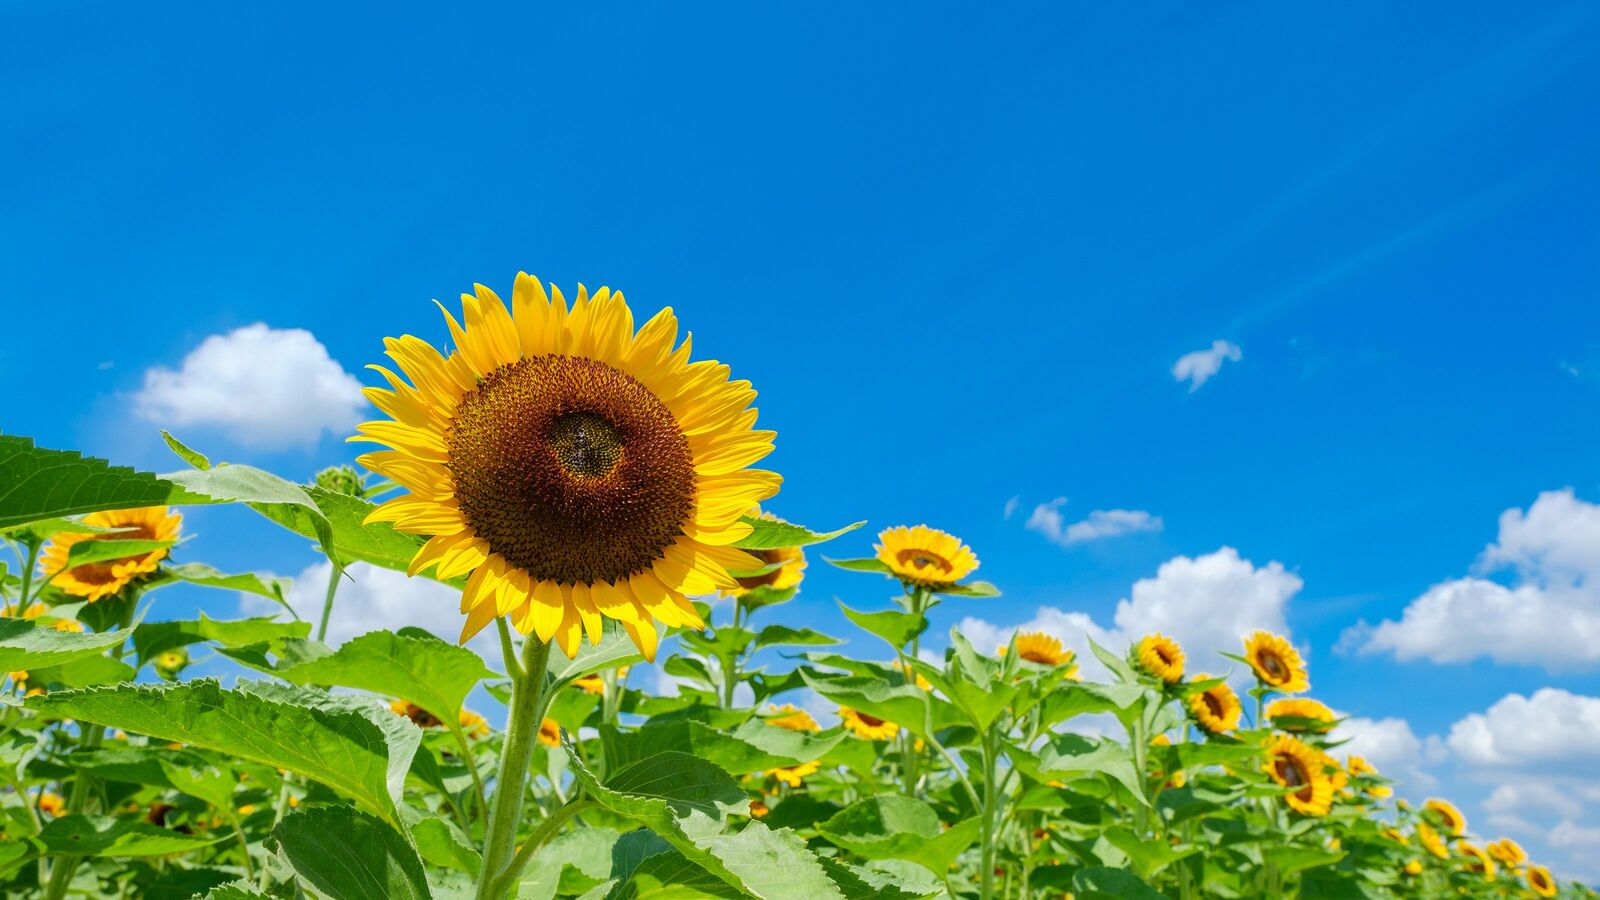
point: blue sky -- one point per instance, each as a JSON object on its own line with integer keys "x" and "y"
{"x": 958, "y": 254}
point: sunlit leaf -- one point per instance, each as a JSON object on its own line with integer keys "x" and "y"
{"x": 429, "y": 672}
{"x": 890, "y": 826}
{"x": 349, "y": 855}
{"x": 78, "y": 835}
{"x": 774, "y": 535}
{"x": 37, "y": 483}
{"x": 26, "y": 644}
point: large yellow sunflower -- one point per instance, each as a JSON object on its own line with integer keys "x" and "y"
{"x": 1216, "y": 708}
{"x": 98, "y": 580}
{"x": 1305, "y": 714}
{"x": 1294, "y": 765}
{"x": 1160, "y": 656}
{"x": 1507, "y": 851}
{"x": 578, "y": 469}
{"x": 1540, "y": 882}
{"x": 926, "y": 557}
{"x": 1451, "y": 818}
{"x": 1478, "y": 862}
{"x": 789, "y": 567}
{"x": 1431, "y": 841}
{"x": 1276, "y": 662}
{"x": 868, "y": 728}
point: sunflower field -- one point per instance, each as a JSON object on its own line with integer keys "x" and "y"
{"x": 589, "y": 490}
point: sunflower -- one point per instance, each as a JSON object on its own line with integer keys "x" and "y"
{"x": 34, "y": 611}
{"x": 474, "y": 724}
{"x": 788, "y": 567}
{"x": 1413, "y": 867}
{"x": 1276, "y": 663}
{"x": 1358, "y": 766}
{"x": 1039, "y": 648}
{"x": 595, "y": 684}
{"x": 1451, "y": 818}
{"x": 19, "y": 678}
{"x": 1540, "y": 882}
{"x": 1478, "y": 862}
{"x": 921, "y": 682}
{"x": 1305, "y": 715}
{"x": 550, "y": 733}
{"x": 793, "y": 775}
{"x": 791, "y": 718}
{"x": 868, "y": 728}
{"x": 1216, "y": 708}
{"x": 419, "y": 716}
{"x": 759, "y": 809}
{"x": 52, "y": 803}
{"x": 925, "y": 557}
{"x": 1294, "y": 765}
{"x": 1431, "y": 841}
{"x": 577, "y": 469}
{"x": 1398, "y": 836}
{"x": 1507, "y": 851}
{"x": 1159, "y": 656}
{"x": 98, "y": 580}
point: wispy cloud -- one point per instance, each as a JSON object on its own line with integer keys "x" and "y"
{"x": 1198, "y": 367}
{"x": 1101, "y": 523}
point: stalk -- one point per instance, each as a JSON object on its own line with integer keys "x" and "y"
{"x": 989, "y": 804}
{"x": 327, "y": 600}
{"x": 528, "y": 702}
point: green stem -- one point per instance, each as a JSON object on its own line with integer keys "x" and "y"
{"x": 528, "y": 702}
{"x": 327, "y": 601}
{"x": 986, "y": 890}
{"x": 472, "y": 767}
{"x": 546, "y": 830}
{"x": 27, "y": 577}
{"x": 244, "y": 845}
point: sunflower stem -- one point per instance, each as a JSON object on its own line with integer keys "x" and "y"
{"x": 522, "y": 728}
{"x": 334, "y": 575}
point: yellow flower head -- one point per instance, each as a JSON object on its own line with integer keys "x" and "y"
{"x": 1359, "y": 767}
{"x": 1540, "y": 882}
{"x": 1396, "y": 835}
{"x": 172, "y": 660}
{"x": 1507, "y": 851}
{"x": 98, "y": 580}
{"x": 51, "y": 802}
{"x": 789, "y": 567}
{"x": 793, "y": 775}
{"x": 473, "y": 724}
{"x": 1317, "y": 717}
{"x": 1276, "y": 663}
{"x": 792, "y": 718}
{"x": 1216, "y": 709}
{"x": 1413, "y": 867}
{"x": 421, "y": 717}
{"x": 19, "y": 678}
{"x": 550, "y": 733}
{"x": 759, "y": 809}
{"x": 72, "y": 625}
{"x": 595, "y": 684}
{"x": 1431, "y": 841}
{"x": 1478, "y": 862}
{"x": 922, "y": 682}
{"x": 1039, "y": 648}
{"x": 577, "y": 468}
{"x": 868, "y": 728}
{"x": 1304, "y": 769}
{"x": 33, "y": 611}
{"x": 925, "y": 556}
{"x": 1159, "y": 656}
{"x": 1449, "y": 817}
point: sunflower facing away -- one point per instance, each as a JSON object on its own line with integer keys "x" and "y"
{"x": 793, "y": 775}
{"x": 1540, "y": 882}
{"x": 578, "y": 469}
{"x": 1159, "y": 656}
{"x": 1431, "y": 841}
{"x": 1507, "y": 851}
{"x": 1454, "y": 822}
{"x": 1276, "y": 663}
{"x": 1217, "y": 708}
{"x": 791, "y": 718}
{"x": 98, "y": 580}
{"x": 1304, "y": 714}
{"x": 925, "y": 557}
{"x": 868, "y": 728}
{"x": 1294, "y": 765}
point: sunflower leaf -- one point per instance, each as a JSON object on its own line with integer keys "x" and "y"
{"x": 770, "y": 534}
{"x": 895, "y": 627}
{"x": 27, "y": 644}
{"x": 866, "y": 564}
{"x": 427, "y": 671}
{"x": 157, "y": 637}
{"x": 192, "y": 457}
{"x": 969, "y": 589}
{"x": 101, "y": 549}
{"x": 104, "y": 836}
{"x": 245, "y": 582}
{"x": 262, "y": 491}
{"x": 39, "y": 484}
{"x": 890, "y": 826}
{"x": 615, "y": 649}
{"x": 351, "y": 744}
{"x": 784, "y": 636}
{"x": 350, "y": 855}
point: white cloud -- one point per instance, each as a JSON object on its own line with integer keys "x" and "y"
{"x": 1549, "y": 616}
{"x": 1011, "y": 506}
{"x": 1391, "y": 746}
{"x": 261, "y": 387}
{"x": 370, "y": 598}
{"x": 1207, "y": 603}
{"x": 1101, "y": 523}
{"x": 1198, "y": 367}
{"x": 1551, "y": 726}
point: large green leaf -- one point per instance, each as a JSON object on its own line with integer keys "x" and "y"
{"x": 1112, "y": 884}
{"x": 784, "y": 636}
{"x": 104, "y": 836}
{"x": 37, "y": 483}
{"x": 244, "y": 582}
{"x": 352, "y": 540}
{"x": 182, "y": 770}
{"x": 429, "y": 672}
{"x": 262, "y": 491}
{"x": 890, "y": 826}
{"x": 351, "y": 744}
{"x": 152, "y": 638}
{"x": 28, "y": 644}
{"x": 895, "y": 627}
{"x": 772, "y": 535}
{"x": 1067, "y": 755}
{"x": 906, "y": 705}
{"x": 349, "y": 855}
{"x": 615, "y": 649}
{"x": 755, "y": 746}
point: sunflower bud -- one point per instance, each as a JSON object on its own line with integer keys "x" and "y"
{"x": 342, "y": 480}
{"x": 169, "y": 663}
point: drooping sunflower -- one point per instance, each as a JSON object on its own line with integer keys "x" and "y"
{"x": 793, "y": 775}
{"x": 925, "y": 557}
{"x": 791, "y": 718}
{"x": 1540, "y": 881}
{"x": 1294, "y": 765}
{"x": 868, "y": 728}
{"x": 98, "y": 580}
{"x": 1217, "y": 708}
{"x": 1159, "y": 656}
{"x": 1276, "y": 663}
{"x": 550, "y": 733}
{"x": 578, "y": 469}
{"x": 1507, "y": 851}
{"x": 1478, "y": 862}
{"x": 1431, "y": 841}
{"x": 786, "y": 567}
{"x": 1450, "y": 817}
{"x": 1301, "y": 714}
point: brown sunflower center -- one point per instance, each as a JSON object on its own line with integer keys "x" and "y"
{"x": 571, "y": 470}
{"x": 869, "y": 721}
{"x": 767, "y": 557}
{"x": 1538, "y": 879}
{"x": 1292, "y": 772}
{"x": 1213, "y": 703}
{"x": 922, "y": 559}
{"x": 1039, "y": 655}
{"x": 1164, "y": 655}
{"x": 1273, "y": 666}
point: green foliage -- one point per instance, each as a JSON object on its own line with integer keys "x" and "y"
{"x": 38, "y": 484}
{"x": 349, "y": 855}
